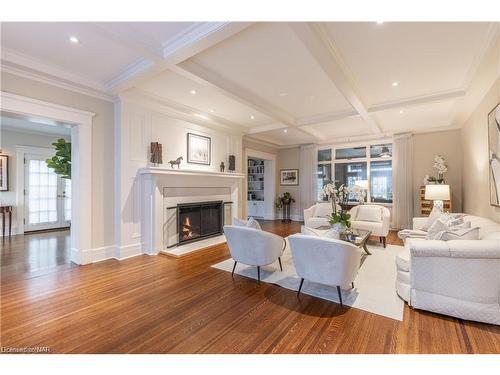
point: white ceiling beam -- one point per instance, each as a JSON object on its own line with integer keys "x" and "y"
{"x": 418, "y": 100}
{"x": 179, "y": 48}
{"x": 317, "y": 40}
{"x": 266, "y": 128}
{"x": 194, "y": 71}
{"x": 198, "y": 73}
{"x": 325, "y": 117}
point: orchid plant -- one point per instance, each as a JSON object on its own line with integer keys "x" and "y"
{"x": 440, "y": 165}
{"x": 339, "y": 195}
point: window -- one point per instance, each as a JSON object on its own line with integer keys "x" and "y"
{"x": 368, "y": 165}
{"x": 350, "y": 153}
{"x": 325, "y": 155}
{"x": 381, "y": 181}
{"x": 324, "y": 177}
{"x": 349, "y": 173}
{"x": 381, "y": 151}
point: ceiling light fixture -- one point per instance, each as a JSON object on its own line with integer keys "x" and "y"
{"x": 385, "y": 152}
{"x": 252, "y": 117}
{"x": 401, "y": 111}
{"x": 212, "y": 111}
{"x": 395, "y": 84}
{"x": 192, "y": 92}
{"x": 285, "y": 130}
{"x": 74, "y": 39}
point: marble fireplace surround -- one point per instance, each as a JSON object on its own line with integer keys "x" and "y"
{"x": 163, "y": 187}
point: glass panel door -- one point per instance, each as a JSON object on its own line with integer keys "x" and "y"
{"x": 45, "y": 207}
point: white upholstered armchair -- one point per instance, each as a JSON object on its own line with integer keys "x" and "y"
{"x": 372, "y": 217}
{"x": 317, "y": 216}
{"x": 253, "y": 247}
{"x": 325, "y": 260}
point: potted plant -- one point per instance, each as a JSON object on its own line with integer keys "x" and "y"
{"x": 61, "y": 161}
{"x": 284, "y": 203}
{"x": 340, "y": 219}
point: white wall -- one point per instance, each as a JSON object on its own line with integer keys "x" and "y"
{"x": 139, "y": 124}
{"x": 9, "y": 140}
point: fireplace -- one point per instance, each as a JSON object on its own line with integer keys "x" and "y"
{"x": 199, "y": 220}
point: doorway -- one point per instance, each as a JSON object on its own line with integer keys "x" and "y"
{"x": 47, "y": 196}
{"x": 80, "y": 122}
{"x": 260, "y": 168}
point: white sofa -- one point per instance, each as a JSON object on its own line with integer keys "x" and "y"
{"x": 254, "y": 247}
{"x": 317, "y": 216}
{"x": 374, "y": 218}
{"x": 460, "y": 278}
{"x": 325, "y": 260}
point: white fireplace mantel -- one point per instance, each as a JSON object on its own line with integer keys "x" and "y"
{"x": 154, "y": 180}
{"x": 188, "y": 172}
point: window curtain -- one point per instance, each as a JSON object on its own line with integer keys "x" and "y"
{"x": 402, "y": 181}
{"x": 307, "y": 176}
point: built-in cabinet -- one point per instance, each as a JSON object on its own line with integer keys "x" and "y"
{"x": 260, "y": 188}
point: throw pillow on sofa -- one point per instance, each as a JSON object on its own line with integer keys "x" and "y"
{"x": 455, "y": 233}
{"x": 444, "y": 223}
{"x": 323, "y": 210}
{"x": 369, "y": 213}
{"x": 250, "y": 223}
{"x": 433, "y": 216}
{"x": 330, "y": 233}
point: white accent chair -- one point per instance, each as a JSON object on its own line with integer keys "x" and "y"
{"x": 460, "y": 278}
{"x": 254, "y": 247}
{"x": 372, "y": 217}
{"x": 317, "y": 216}
{"x": 325, "y": 261}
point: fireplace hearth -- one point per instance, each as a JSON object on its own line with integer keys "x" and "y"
{"x": 199, "y": 220}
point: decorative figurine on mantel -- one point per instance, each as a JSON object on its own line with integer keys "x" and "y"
{"x": 222, "y": 166}
{"x": 176, "y": 162}
{"x": 232, "y": 163}
{"x": 156, "y": 151}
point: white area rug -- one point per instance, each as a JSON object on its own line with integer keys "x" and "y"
{"x": 374, "y": 286}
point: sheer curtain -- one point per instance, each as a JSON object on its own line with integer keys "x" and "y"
{"x": 307, "y": 176}
{"x": 402, "y": 181}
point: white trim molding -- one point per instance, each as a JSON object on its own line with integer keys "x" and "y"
{"x": 81, "y": 160}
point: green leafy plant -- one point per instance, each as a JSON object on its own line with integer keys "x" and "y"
{"x": 285, "y": 199}
{"x": 61, "y": 161}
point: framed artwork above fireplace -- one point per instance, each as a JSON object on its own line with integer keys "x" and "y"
{"x": 199, "y": 149}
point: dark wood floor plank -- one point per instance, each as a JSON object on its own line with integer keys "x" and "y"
{"x": 159, "y": 304}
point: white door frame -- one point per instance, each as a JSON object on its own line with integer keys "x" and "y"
{"x": 248, "y": 152}
{"x": 21, "y": 152}
{"x": 81, "y": 163}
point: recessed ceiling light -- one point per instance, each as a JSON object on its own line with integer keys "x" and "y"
{"x": 395, "y": 84}
{"x": 401, "y": 111}
{"x": 285, "y": 130}
{"x": 252, "y": 117}
{"x": 192, "y": 92}
{"x": 74, "y": 39}
{"x": 212, "y": 110}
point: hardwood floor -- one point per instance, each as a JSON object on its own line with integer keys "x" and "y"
{"x": 158, "y": 304}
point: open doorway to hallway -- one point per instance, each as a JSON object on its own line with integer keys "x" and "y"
{"x": 38, "y": 197}
{"x": 261, "y": 184}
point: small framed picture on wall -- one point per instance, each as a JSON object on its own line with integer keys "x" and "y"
{"x": 4, "y": 173}
{"x": 199, "y": 149}
{"x": 289, "y": 177}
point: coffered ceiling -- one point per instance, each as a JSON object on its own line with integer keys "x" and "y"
{"x": 283, "y": 83}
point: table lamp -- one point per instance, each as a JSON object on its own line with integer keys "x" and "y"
{"x": 438, "y": 194}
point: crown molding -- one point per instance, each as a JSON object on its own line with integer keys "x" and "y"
{"x": 23, "y": 66}
{"x": 134, "y": 70}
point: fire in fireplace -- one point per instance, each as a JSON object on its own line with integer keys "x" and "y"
{"x": 199, "y": 220}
